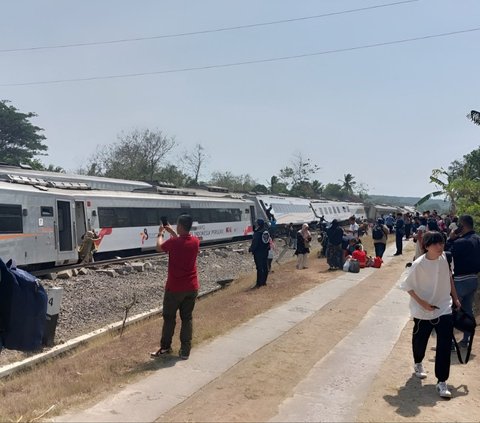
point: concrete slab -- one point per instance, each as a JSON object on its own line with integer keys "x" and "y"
{"x": 337, "y": 385}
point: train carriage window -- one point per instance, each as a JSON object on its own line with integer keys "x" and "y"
{"x": 46, "y": 211}
{"x": 106, "y": 217}
{"x": 122, "y": 217}
{"x": 11, "y": 221}
{"x": 151, "y": 217}
{"x": 330, "y": 210}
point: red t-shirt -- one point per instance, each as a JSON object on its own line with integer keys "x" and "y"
{"x": 361, "y": 256}
{"x": 182, "y": 263}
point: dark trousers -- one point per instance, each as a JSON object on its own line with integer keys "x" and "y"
{"x": 408, "y": 230}
{"x": 261, "y": 263}
{"x": 379, "y": 249}
{"x": 398, "y": 242}
{"x": 421, "y": 332}
{"x": 185, "y": 302}
{"x": 335, "y": 256}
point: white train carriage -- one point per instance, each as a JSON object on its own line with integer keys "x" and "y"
{"x": 285, "y": 209}
{"x": 339, "y": 210}
{"x": 42, "y": 224}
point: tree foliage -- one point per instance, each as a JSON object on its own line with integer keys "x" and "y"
{"x": 474, "y": 116}
{"x": 138, "y": 155}
{"x": 236, "y": 183}
{"x": 301, "y": 170}
{"x": 20, "y": 140}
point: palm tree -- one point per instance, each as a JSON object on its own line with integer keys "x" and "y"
{"x": 348, "y": 183}
{"x": 446, "y": 188}
{"x": 474, "y": 116}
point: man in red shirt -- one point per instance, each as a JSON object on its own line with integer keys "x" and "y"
{"x": 182, "y": 285}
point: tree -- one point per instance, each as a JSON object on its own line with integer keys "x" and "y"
{"x": 20, "y": 140}
{"x": 194, "y": 162}
{"x": 172, "y": 174}
{"x": 348, "y": 183}
{"x": 333, "y": 191}
{"x": 446, "y": 188}
{"x": 241, "y": 183}
{"x": 299, "y": 171}
{"x": 138, "y": 155}
{"x": 277, "y": 187}
{"x": 38, "y": 165}
{"x": 474, "y": 116}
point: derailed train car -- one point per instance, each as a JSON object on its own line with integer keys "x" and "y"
{"x": 42, "y": 222}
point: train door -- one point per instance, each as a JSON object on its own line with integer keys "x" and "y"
{"x": 80, "y": 223}
{"x": 64, "y": 226}
{"x": 252, "y": 215}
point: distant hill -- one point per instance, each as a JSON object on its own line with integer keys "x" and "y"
{"x": 432, "y": 204}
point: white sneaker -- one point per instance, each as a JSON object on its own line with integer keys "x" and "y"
{"x": 442, "y": 390}
{"x": 419, "y": 371}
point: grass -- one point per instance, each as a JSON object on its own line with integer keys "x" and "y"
{"x": 90, "y": 372}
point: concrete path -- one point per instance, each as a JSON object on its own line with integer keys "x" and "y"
{"x": 342, "y": 376}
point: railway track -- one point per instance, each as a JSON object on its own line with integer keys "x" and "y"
{"x": 102, "y": 263}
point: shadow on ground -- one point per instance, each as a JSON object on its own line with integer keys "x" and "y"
{"x": 414, "y": 396}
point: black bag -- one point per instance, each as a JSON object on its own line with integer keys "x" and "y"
{"x": 464, "y": 322}
{"x": 377, "y": 232}
{"x": 354, "y": 266}
{"x": 23, "y": 309}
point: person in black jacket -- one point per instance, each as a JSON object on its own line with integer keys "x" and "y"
{"x": 334, "y": 247}
{"x": 464, "y": 246}
{"x": 399, "y": 233}
{"x": 259, "y": 248}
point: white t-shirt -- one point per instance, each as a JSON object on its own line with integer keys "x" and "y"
{"x": 430, "y": 279}
{"x": 354, "y": 228}
{"x": 418, "y": 244}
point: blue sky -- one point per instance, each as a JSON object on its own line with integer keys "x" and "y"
{"x": 388, "y": 115}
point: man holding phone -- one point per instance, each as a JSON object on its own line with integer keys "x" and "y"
{"x": 182, "y": 285}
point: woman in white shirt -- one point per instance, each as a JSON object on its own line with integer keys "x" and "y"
{"x": 430, "y": 285}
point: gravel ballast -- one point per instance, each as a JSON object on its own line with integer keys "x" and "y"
{"x": 96, "y": 299}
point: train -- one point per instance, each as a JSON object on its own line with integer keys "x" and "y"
{"x": 42, "y": 224}
{"x": 44, "y": 215}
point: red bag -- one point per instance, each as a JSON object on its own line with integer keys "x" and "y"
{"x": 377, "y": 262}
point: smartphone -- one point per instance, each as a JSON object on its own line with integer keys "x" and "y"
{"x": 164, "y": 220}
{"x": 459, "y": 230}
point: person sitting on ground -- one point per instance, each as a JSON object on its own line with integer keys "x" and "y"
{"x": 360, "y": 255}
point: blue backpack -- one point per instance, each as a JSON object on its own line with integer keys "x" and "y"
{"x": 23, "y": 309}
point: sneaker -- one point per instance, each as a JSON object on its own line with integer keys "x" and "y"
{"x": 183, "y": 356}
{"x": 419, "y": 371}
{"x": 161, "y": 351}
{"x": 463, "y": 343}
{"x": 442, "y": 390}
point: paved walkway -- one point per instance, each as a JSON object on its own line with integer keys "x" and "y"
{"x": 345, "y": 376}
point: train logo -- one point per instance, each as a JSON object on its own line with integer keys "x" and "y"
{"x": 144, "y": 235}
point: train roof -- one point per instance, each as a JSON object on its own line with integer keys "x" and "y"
{"x": 79, "y": 193}
{"x": 95, "y": 182}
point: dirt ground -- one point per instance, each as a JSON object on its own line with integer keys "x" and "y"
{"x": 253, "y": 389}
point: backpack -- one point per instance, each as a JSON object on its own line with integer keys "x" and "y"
{"x": 377, "y": 262}
{"x": 464, "y": 322}
{"x": 23, "y": 309}
{"x": 377, "y": 232}
{"x": 354, "y": 266}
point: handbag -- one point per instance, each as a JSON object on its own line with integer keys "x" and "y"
{"x": 464, "y": 322}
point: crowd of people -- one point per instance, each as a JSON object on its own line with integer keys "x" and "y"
{"x": 443, "y": 274}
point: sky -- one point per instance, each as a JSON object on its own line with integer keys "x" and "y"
{"x": 387, "y": 114}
